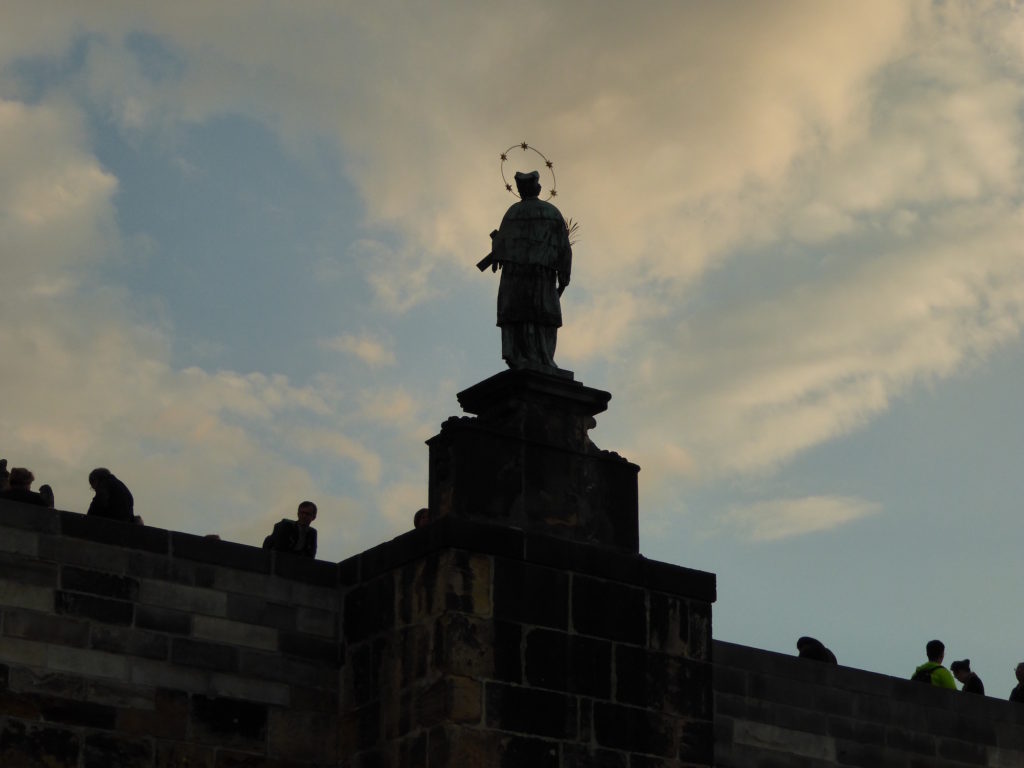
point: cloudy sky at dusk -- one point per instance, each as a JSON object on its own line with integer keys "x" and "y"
{"x": 237, "y": 248}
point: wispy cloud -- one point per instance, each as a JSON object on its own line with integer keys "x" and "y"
{"x": 785, "y": 518}
{"x": 372, "y": 351}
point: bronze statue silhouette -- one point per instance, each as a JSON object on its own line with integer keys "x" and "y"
{"x": 533, "y": 252}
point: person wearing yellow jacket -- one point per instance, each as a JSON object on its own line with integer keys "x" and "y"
{"x": 932, "y": 670}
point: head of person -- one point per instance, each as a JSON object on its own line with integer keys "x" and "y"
{"x": 421, "y": 518}
{"x": 1019, "y": 672}
{"x": 961, "y": 670}
{"x": 306, "y": 513}
{"x": 528, "y": 184}
{"x": 936, "y": 651}
{"x": 47, "y": 493}
{"x": 806, "y": 643}
{"x": 4, "y": 474}
{"x": 98, "y": 478}
{"x": 21, "y": 478}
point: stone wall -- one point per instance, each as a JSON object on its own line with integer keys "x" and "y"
{"x": 778, "y": 711}
{"x": 137, "y": 647}
{"x": 477, "y": 645}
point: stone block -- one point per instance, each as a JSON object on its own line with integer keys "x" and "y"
{"x": 224, "y": 553}
{"x": 14, "y": 514}
{"x": 228, "y": 722}
{"x": 165, "y": 718}
{"x": 522, "y": 751}
{"x": 114, "y": 532}
{"x": 516, "y": 587}
{"x": 256, "y": 610}
{"x": 634, "y": 730}
{"x": 234, "y": 633}
{"x": 669, "y": 624}
{"x": 369, "y": 608}
{"x": 371, "y": 666}
{"x": 609, "y": 610}
{"x": 183, "y": 598}
{"x": 903, "y": 740}
{"x": 132, "y": 642}
{"x": 24, "y": 569}
{"x": 33, "y": 746}
{"x": 588, "y": 756}
{"x": 313, "y": 699}
{"x": 20, "y": 542}
{"x": 36, "y": 681}
{"x": 962, "y": 751}
{"x": 451, "y": 699}
{"x": 508, "y": 652}
{"x": 69, "y": 551}
{"x": 464, "y": 645}
{"x": 273, "y": 666}
{"x": 310, "y": 648}
{"x": 145, "y": 565}
{"x": 359, "y": 729}
{"x": 196, "y": 653}
{"x": 158, "y": 674}
{"x": 249, "y": 689}
{"x": 176, "y": 754}
{"x": 117, "y": 694}
{"x": 569, "y": 663}
{"x": 316, "y": 621}
{"x": 467, "y": 582}
{"x": 295, "y": 568}
{"x": 105, "y": 750}
{"x": 531, "y": 711}
{"x": 87, "y": 662}
{"x": 17, "y": 651}
{"x": 16, "y": 595}
{"x": 163, "y": 620}
{"x": 74, "y": 579}
{"x": 77, "y": 713}
{"x": 302, "y": 736}
{"x": 697, "y": 742}
{"x": 91, "y": 607}
{"x": 46, "y": 628}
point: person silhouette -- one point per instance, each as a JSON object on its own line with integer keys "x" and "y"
{"x": 971, "y": 682}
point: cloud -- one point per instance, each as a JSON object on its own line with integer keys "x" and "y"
{"x": 784, "y": 518}
{"x": 373, "y": 352}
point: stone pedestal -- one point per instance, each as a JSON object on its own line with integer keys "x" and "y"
{"x": 523, "y": 459}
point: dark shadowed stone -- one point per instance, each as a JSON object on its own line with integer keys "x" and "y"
{"x": 50, "y": 629}
{"x": 77, "y": 713}
{"x": 518, "y": 751}
{"x": 90, "y": 607}
{"x": 508, "y": 653}
{"x": 224, "y": 553}
{"x": 114, "y": 532}
{"x": 27, "y": 571}
{"x": 531, "y": 711}
{"x": 256, "y": 610}
{"x": 196, "y": 653}
{"x": 173, "y": 754}
{"x": 516, "y": 587}
{"x": 609, "y": 610}
{"x": 580, "y": 756}
{"x": 633, "y": 729}
{"x": 105, "y": 751}
{"x": 163, "y": 619}
{"x": 229, "y": 722}
{"x": 370, "y": 608}
{"x": 24, "y": 746}
{"x": 97, "y": 583}
{"x": 132, "y": 642}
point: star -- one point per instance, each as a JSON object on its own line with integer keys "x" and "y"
{"x": 525, "y": 146}
{"x": 554, "y": 193}
{"x": 504, "y": 157}
{"x": 550, "y": 164}
{"x": 508, "y": 187}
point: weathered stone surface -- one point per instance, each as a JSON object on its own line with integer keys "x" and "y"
{"x": 166, "y": 717}
{"x": 229, "y": 722}
{"x": 176, "y": 754}
{"x": 298, "y": 735}
{"x": 32, "y": 746}
{"x": 531, "y": 711}
{"x": 105, "y": 750}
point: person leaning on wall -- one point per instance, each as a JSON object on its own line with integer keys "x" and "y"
{"x": 295, "y": 536}
{"x": 1017, "y": 694}
{"x": 971, "y": 682}
{"x": 19, "y": 488}
{"x": 113, "y": 500}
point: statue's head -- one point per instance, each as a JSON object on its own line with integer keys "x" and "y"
{"x": 528, "y": 184}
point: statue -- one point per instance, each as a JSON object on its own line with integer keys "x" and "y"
{"x": 532, "y": 250}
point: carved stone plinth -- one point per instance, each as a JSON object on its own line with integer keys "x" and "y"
{"x": 524, "y": 460}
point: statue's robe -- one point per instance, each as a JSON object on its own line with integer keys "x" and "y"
{"x": 532, "y": 247}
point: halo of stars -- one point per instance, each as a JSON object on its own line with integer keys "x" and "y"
{"x": 547, "y": 164}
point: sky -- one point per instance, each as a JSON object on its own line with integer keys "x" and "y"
{"x": 237, "y": 249}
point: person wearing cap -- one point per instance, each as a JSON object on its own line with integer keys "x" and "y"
{"x": 971, "y": 682}
{"x": 932, "y": 670}
{"x": 1017, "y": 694}
{"x": 533, "y": 252}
